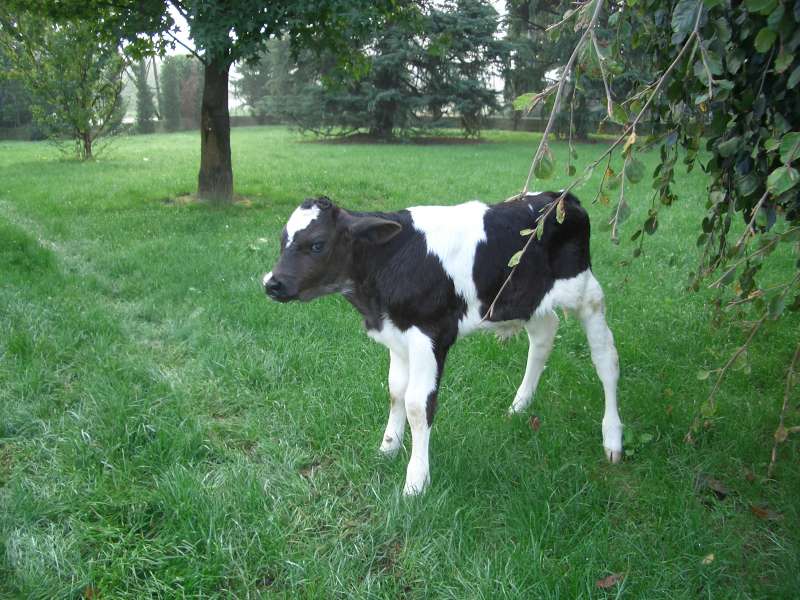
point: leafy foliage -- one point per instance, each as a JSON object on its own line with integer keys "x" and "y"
{"x": 145, "y": 109}
{"x": 14, "y": 99}
{"x": 74, "y": 81}
{"x": 731, "y": 103}
{"x": 222, "y": 33}
{"x": 723, "y": 96}
{"x": 426, "y": 63}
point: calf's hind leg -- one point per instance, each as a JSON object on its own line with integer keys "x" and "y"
{"x": 541, "y": 333}
{"x": 591, "y": 311}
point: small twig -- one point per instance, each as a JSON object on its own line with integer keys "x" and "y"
{"x": 571, "y": 127}
{"x": 706, "y": 67}
{"x": 736, "y": 265}
{"x": 765, "y": 71}
{"x": 557, "y": 102}
{"x": 781, "y": 431}
{"x": 603, "y": 180}
{"x": 609, "y": 101}
{"x": 567, "y": 18}
{"x": 191, "y": 50}
{"x": 615, "y": 220}
{"x": 748, "y": 231}
{"x": 736, "y": 355}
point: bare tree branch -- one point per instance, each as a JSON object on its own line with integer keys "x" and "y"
{"x": 781, "y": 432}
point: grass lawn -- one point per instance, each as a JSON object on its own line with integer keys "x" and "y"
{"x": 165, "y": 431}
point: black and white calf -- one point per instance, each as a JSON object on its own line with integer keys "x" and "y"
{"x": 424, "y": 276}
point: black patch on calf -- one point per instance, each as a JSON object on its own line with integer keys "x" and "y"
{"x": 563, "y": 252}
{"x": 402, "y": 281}
{"x": 430, "y": 405}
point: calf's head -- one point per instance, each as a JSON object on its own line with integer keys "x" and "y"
{"x": 317, "y": 249}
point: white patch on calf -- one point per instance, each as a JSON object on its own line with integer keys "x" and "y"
{"x": 300, "y": 219}
{"x": 570, "y": 293}
{"x": 266, "y": 278}
{"x": 391, "y": 337}
{"x": 452, "y": 234}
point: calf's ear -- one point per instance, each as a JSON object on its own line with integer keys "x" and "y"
{"x": 373, "y": 230}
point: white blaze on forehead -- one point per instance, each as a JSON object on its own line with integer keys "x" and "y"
{"x": 300, "y": 219}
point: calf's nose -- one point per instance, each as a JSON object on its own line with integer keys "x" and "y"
{"x": 273, "y": 287}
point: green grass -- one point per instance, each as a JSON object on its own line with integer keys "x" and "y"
{"x": 165, "y": 431}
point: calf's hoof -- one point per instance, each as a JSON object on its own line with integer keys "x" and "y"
{"x": 415, "y": 489}
{"x": 390, "y": 446}
{"x": 519, "y": 405}
{"x": 613, "y": 456}
{"x": 416, "y": 483}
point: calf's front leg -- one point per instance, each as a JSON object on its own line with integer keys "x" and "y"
{"x": 396, "y": 425}
{"x": 420, "y": 403}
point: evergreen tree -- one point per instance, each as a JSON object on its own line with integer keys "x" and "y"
{"x": 145, "y": 110}
{"x": 190, "y": 74}
{"x": 171, "y": 93}
{"x": 420, "y": 68}
{"x": 14, "y": 99}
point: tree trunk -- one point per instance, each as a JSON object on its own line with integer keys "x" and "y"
{"x": 215, "y": 180}
{"x": 159, "y": 110}
{"x": 87, "y": 146}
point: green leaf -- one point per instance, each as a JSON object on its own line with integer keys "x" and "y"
{"x": 539, "y": 230}
{"x": 757, "y": 6}
{"x": 723, "y": 29}
{"x": 707, "y": 409}
{"x": 729, "y": 147}
{"x": 618, "y": 114}
{"x": 783, "y": 62}
{"x": 782, "y": 180}
{"x": 734, "y": 60}
{"x": 524, "y": 232}
{"x": 703, "y": 375}
{"x": 634, "y": 170}
{"x": 746, "y": 185}
{"x": 623, "y": 213}
{"x": 790, "y": 147}
{"x": 794, "y": 78}
{"x": 543, "y": 168}
{"x": 776, "y": 306}
{"x": 522, "y": 102}
{"x": 571, "y": 170}
{"x": 629, "y": 142}
{"x": 775, "y": 17}
{"x": 764, "y": 40}
{"x": 560, "y": 212}
{"x": 728, "y": 276}
{"x": 514, "y": 260}
{"x": 683, "y": 18}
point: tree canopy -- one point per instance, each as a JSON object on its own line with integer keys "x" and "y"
{"x": 222, "y": 32}
{"x": 73, "y": 76}
{"x": 431, "y": 61}
{"x": 721, "y": 90}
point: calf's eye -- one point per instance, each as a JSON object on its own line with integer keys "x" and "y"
{"x": 317, "y": 247}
